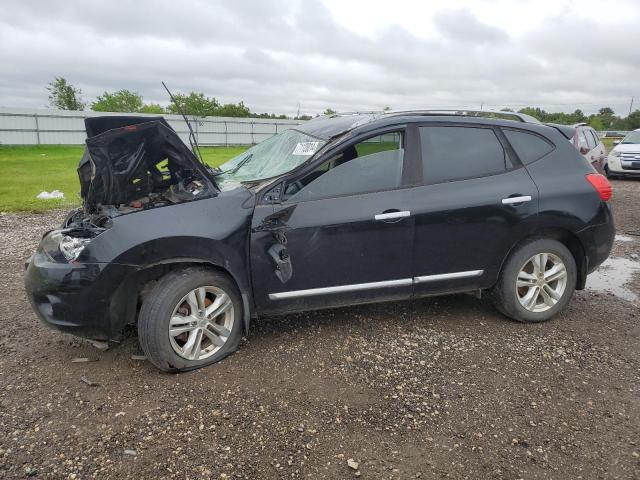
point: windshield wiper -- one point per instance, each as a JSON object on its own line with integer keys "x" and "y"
{"x": 233, "y": 170}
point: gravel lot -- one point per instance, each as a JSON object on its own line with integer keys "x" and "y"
{"x": 433, "y": 388}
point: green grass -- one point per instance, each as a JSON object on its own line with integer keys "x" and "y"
{"x": 608, "y": 143}
{"x": 29, "y": 170}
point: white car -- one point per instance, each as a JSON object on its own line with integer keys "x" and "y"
{"x": 624, "y": 159}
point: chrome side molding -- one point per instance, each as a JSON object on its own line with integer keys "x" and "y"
{"x": 402, "y": 282}
{"x": 340, "y": 288}
{"x": 447, "y": 276}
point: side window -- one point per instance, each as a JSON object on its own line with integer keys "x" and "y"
{"x": 582, "y": 140}
{"x": 595, "y": 136}
{"x": 372, "y": 165}
{"x": 591, "y": 143}
{"x": 528, "y": 147}
{"x": 455, "y": 153}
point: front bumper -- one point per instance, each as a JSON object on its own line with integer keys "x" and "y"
{"x": 619, "y": 166}
{"x": 76, "y": 298}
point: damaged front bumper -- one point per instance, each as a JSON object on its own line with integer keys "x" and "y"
{"x": 77, "y": 298}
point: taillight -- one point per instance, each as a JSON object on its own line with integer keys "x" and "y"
{"x": 601, "y": 184}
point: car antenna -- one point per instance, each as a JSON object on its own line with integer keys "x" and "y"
{"x": 192, "y": 137}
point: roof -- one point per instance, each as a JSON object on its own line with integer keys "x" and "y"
{"x": 329, "y": 126}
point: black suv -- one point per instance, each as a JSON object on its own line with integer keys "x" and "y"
{"x": 341, "y": 210}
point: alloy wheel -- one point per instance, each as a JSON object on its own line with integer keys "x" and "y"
{"x": 541, "y": 282}
{"x": 201, "y": 323}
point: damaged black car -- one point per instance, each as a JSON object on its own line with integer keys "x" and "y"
{"x": 341, "y": 210}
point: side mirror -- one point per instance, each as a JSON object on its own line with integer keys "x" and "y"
{"x": 584, "y": 150}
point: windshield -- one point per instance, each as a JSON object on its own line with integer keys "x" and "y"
{"x": 272, "y": 157}
{"x": 632, "y": 137}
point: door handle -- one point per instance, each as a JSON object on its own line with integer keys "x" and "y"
{"x": 392, "y": 215}
{"x": 513, "y": 200}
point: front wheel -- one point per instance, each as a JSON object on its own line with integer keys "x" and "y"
{"x": 191, "y": 318}
{"x": 536, "y": 282}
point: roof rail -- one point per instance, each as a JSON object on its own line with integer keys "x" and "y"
{"x": 520, "y": 117}
{"x": 516, "y": 116}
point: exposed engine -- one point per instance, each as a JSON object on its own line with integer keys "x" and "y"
{"x": 133, "y": 164}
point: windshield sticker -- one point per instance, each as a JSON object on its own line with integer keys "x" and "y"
{"x": 306, "y": 148}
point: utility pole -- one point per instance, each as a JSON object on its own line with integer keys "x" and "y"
{"x": 481, "y": 105}
{"x": 631, "y": 106}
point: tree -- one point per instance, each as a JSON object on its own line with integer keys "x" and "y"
{"x": 386, "y": 108}
{"x": 196, "y": 103}
{"x": 120, "y": 101}
{"x": 233, "y": 110}
{"x": 152, "y": 108}
{"x": 329, "y": 111}
{"x": 65, "y": 96}
{"x": 633, "y": 121}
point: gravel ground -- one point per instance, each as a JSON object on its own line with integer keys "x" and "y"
{"x": 432, "y": 388}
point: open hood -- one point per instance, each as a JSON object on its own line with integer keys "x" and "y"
{"x": 138, "y": 162}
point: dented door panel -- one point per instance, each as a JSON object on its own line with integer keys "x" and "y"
{"x": 333, "y": 242}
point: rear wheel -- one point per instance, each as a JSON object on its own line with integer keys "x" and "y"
{"x": 191, "y": 318}
{"x": 537, "y": 281}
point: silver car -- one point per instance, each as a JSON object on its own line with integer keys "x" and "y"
{"x": 624, "y": 158}
{"x": 586, "y": 140}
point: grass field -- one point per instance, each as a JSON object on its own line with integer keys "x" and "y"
{"x": 29, "y": 170}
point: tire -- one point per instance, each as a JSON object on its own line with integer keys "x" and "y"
{"x": 516, "y": 301}
{"x": 175, "y": 303}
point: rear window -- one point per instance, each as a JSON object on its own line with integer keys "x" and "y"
{"x": 456, "y": 153}
{"x": 528, "y": 147}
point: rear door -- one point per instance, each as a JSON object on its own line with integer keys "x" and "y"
{"x": 342, "y": 233}
{"x": 475, "y": 203}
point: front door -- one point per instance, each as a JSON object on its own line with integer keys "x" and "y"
{"x": 342, "y": 233}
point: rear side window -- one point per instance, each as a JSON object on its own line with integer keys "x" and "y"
{"x": 456, "y": 153}
{"x": 595, "y": 136}
{"x": 528, "y": 147}
{"x": 582, "y": 140}
{"x": 591, "y": 143}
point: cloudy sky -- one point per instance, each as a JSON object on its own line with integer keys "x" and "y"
{"x": 343, "y": 54}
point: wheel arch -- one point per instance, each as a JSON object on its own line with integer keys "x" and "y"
{"x": 568, "y": 239}
{"x": 127, "y": 298}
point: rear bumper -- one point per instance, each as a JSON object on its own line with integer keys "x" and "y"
{"x": 75, "y": 298}
{"x": 597, "y": 239}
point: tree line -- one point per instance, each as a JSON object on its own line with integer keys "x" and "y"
{"x": 605, "y": 119}
{"x": 65, "y": 96}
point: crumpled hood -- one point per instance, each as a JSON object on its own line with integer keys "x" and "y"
{"x": 132, "y": 158}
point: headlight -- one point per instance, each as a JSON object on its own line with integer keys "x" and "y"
{"x": 60, "y": 247}
{"x": 71, "y": 247}
{"x": 615, "y": 153}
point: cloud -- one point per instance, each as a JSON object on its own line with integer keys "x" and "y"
{"x": 274, "y": 54}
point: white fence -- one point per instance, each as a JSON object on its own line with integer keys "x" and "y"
{"x": 20, "y": 126}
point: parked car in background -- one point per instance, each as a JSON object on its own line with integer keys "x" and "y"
{"x": 341, "y": 210}
{"x": 624, "y": 158}
{"x": 590, "y": 146}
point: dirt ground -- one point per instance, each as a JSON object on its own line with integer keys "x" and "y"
{"x": 432, "y": 388}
